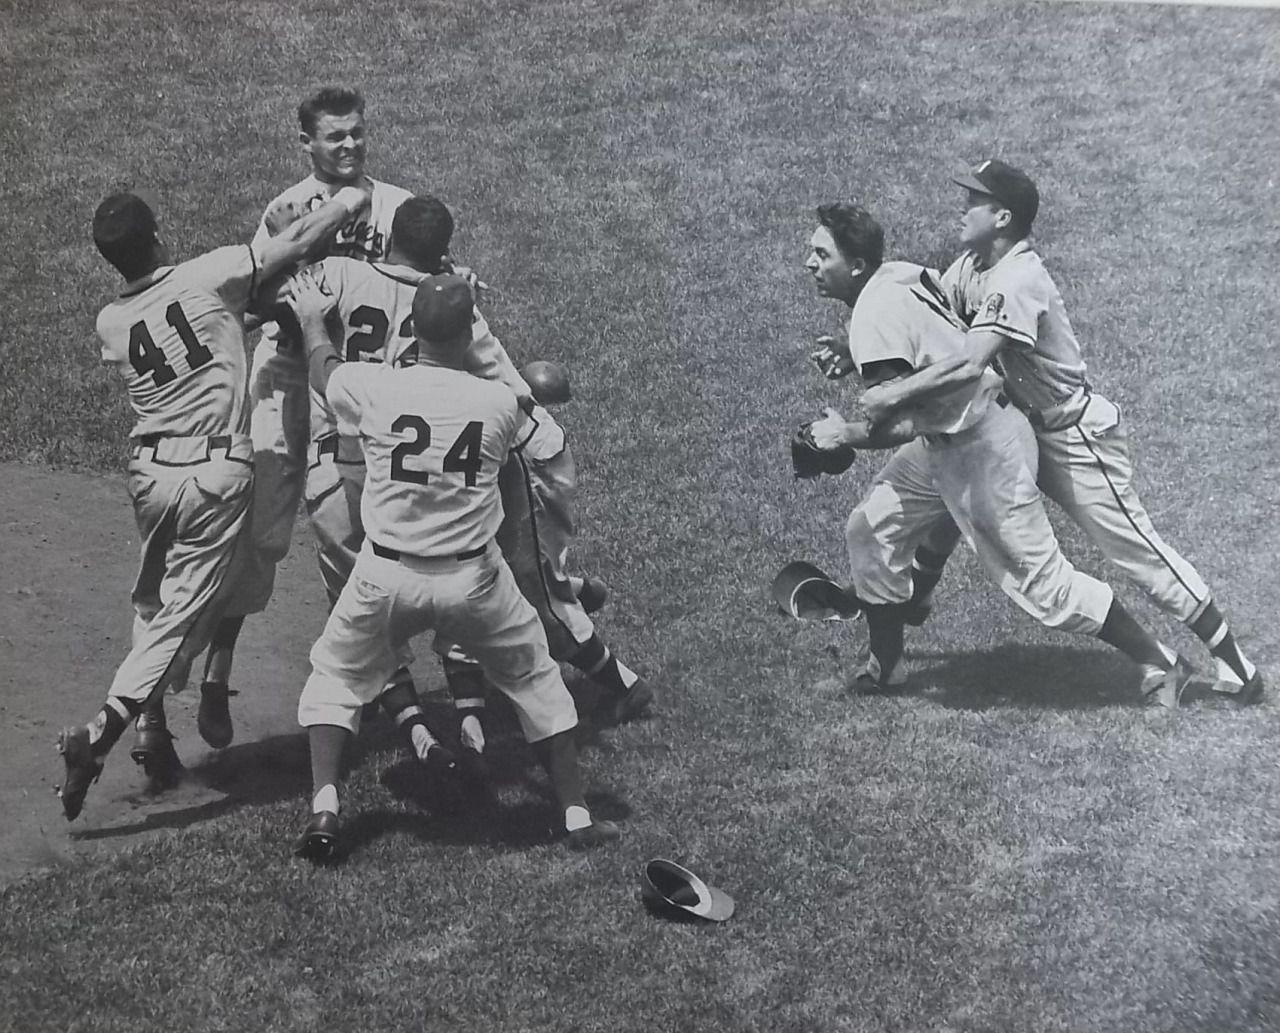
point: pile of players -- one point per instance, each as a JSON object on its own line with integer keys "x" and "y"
{"x": 439, "y": 487}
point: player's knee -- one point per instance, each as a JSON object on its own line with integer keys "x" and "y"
{"x": 328, "y": 712}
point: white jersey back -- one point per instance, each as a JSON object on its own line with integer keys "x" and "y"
{"x": 177, "y": 338}
{"x": 902, "y": 313}
{"x": 1018, "y": 299}
{"x": 433, "y": 442}
{"x": 374, "y": 312}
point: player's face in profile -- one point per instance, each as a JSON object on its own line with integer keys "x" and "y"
{"x": 978, "y": 221}
{"x": 830, "y": 271}
{"x": 337, "y": 147}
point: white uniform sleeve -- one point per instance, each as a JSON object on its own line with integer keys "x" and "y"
{"x": 880, "y": 328}
{"x": 230, "y": 272}
{"x": 345, "y": 394}
{"x": 488, "y": 359}
{"x": 953, "y": 284}
{"x": 1012, "y": 305}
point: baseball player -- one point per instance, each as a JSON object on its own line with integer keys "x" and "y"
{"x": 332, "y": 134}
{"x": 434, "y": 437}
{"x": 964, "y": 452}
{"x": 177, "y": 336}
{"x": 1018, "y": 322}
{"x": 371, "y": 322}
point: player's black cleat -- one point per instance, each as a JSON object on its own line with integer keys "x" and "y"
{"x": 597, "y": 834}
{"x": 594, "y": 594}
{"x": 83, "y": 769}
{"x": 319, "y": 840}
{"x": 440, "y": 762}
{"x": 213, "y": 719}
{"x": 153, "y": 750}
{"x": 1246, "y": 695}
{"x": 634, "y": 703}
{"x": 916, "y": 613}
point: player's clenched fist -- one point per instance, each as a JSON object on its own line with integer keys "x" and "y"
{"x": 832, "y": 358}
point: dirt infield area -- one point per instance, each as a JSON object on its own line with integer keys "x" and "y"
{"x": 69, "y": 559}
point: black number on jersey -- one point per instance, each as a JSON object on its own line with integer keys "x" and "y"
{"x": 146, "y": 357}
{"x": 463, "y": 455}
{"x": 370, "y": 325}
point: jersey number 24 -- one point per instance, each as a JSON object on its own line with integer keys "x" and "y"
{"x": 463, "y": 455}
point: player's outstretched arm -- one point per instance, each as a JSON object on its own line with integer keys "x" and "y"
{"x": 883, "y": 401}
{"x": 307, "y": 235}
{"x": 833, "y": 433}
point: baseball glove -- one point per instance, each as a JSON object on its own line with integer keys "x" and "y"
{"x": 808, "y": 460}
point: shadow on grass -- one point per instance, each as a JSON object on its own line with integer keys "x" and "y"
{"x": 1019, "y": 675}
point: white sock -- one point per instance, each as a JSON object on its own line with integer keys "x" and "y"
{"x": 423, "y": 740}
{"x": 576, "y": 817}
{"x": 326, "y": 799}
{"x": 628, "y": 676}
{"x": 472, "y": 733}
{"x": 1225, "y": 673}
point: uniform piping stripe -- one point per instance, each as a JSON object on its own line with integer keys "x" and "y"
{"x": 1005, "y": 331}
{"x": 1102, "y": 466}
{"x": 537, "y": 546}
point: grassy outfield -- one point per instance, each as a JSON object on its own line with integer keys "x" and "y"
{"x": 1009, "y": 844}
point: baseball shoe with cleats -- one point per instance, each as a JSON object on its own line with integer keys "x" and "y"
{"x": 153, "y": 750}
{"x": 319, "y": 840}
{"x": 869, "y": 680}
{"x": 1244, "y": 695}
{"x": 213, "y": 719}
{"x": 1167, "y": 691}
{"x": 597, "y": 834}
{"x": 594, "y": 594}
{"x": 916, "y": 613}
{"x": 634, "y": 703}
{"x": 83, "y": 769}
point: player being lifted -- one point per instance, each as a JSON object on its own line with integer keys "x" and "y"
{"x": 176, "y": 334}
{"x": 1018, "y": 322}
{"x": 964, "y": 453}
{"x": 332, "y": 133}
{"x": 434, "y": 437}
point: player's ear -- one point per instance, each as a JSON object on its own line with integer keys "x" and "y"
{"x": 1003, "y": 218}
{"x": 304, "y": 138}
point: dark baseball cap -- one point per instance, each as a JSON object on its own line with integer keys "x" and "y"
{"x": 671, "y": 889}
{"x": 442, "y": 308}
{"x": 1011, "y": 187}
{"x": 123, "y": 217}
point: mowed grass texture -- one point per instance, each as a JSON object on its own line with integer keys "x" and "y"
{"x": 1009, "y": 844}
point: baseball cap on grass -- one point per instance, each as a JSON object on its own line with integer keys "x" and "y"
{"x": 442, "y": 308}
{"x": 672, "y": 890}
{"x": 1012, "y": 187}
{"x": 803, "y": 591}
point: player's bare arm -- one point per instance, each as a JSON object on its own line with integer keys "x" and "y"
{"x": 882, "y": 401}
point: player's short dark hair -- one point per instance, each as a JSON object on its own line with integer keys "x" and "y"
{"x": 124, "y": 230}
{"x": 421, "y": 230}
{"x": 328, "y": 100}
{"x": 855, "y": 231}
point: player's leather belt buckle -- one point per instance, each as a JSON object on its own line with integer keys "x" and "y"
{"x": 180, "y": 451}
{"x": 396, "y": 554}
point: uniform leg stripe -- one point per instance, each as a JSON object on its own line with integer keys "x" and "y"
{"x": 1217, "y": 637}
{"x": 537, "y": 545}
{"x": 120, "y": 707}
{"x": 1115, "y": 494}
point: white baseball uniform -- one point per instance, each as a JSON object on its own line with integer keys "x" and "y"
{"x": 177, "y": 336}
{"x": 433, "y": 441}
{"x": 538, "y": 486}
{"x": 975, "y": 460}
{"x": 279, "y": 392}
{"x": 1085, "y": 464}
{"x": 373, "y": 309}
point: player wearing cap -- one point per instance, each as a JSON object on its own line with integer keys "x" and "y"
{"x": 333, "y": 137}
{"x": 434, "y": 437}
{"x": 964, "y": 452}
{"x": 1018, "y": 322}
{"x": 176, "y": 335}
